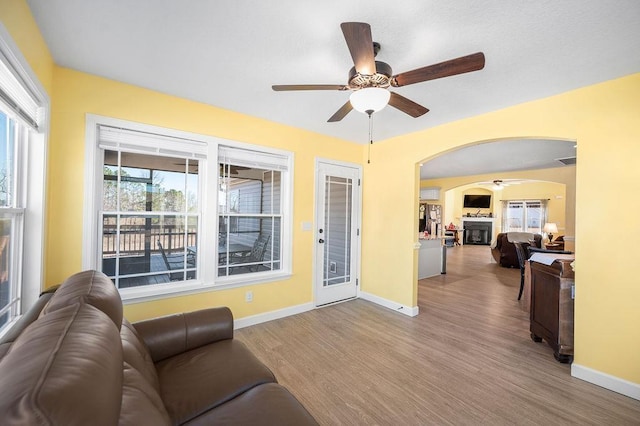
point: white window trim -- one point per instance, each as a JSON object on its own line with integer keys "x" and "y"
{"x": 525, "y": 217}
{"x": 35, "y": 176}
{"x": 207, "y": 279}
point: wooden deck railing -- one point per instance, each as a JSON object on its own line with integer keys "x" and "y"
{"x": 138, "y": 239}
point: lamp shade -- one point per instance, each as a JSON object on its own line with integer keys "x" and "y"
{"x": 550, "y": 228}
{"x": 369, "y": 99}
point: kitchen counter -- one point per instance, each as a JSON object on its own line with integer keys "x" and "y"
{"x": 430, "y": 257}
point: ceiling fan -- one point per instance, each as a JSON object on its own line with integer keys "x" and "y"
{"x": 230, "y": 169}
{"x": 499, "y": 184}
{"x": 369, "y": 76}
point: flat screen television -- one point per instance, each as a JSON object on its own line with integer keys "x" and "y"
{"x": 477, "y": 201}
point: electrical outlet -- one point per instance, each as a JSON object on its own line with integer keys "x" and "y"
{"x": 248, "y": 296}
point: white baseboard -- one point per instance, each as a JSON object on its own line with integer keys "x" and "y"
{"x": 395, "y": 306}
{"x": 298, "y": 309}
{"x": 272, "y": 315}
{"x": 607, "y": 381}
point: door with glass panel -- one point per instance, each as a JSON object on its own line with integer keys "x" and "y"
{"x": 337, "y": 232}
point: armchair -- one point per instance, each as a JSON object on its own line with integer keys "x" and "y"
{"x": 504, "y": 250}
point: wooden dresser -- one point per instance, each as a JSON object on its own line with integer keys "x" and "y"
{"x": 552, "y": 307}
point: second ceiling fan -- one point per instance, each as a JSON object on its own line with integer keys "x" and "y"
{"x": 368, "y": 73}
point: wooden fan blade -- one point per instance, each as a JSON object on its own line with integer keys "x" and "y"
{"x": 360, "y": 44}
{"x": 406, "y": 105}
{"x": 456, "y": 66}
{"x": 341, "y": 113}
{"x": 287, "y": 87}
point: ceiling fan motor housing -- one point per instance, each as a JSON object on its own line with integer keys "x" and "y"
{"x": 381, "y": 78}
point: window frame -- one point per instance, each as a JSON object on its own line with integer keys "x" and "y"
{"x": 31, "y": 176}
{"x": 208, "y": 227}
{"x": 268, "y": 163}
{"x": 525, "y": 205}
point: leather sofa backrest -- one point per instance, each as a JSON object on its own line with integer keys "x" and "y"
{"x": 64, "y": 369}
{"x": 90, "y": 287}
{"x": 79, "y": 362}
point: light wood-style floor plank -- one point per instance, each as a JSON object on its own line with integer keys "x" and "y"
{"x": 466, "y": 359}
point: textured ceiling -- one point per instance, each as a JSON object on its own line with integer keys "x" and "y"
{"x": 228, "y": 53}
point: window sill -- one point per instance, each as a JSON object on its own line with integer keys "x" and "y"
{"x": 183, "y": 288}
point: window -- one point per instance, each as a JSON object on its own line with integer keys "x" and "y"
{"x": 23, "y": 108}
{"x": 150, "y": 207}
{"x": 524, "y": 215}
{"x": 250, "y": 207}
{"x": 166, "y": 203}
{"x": 11, "y": 216}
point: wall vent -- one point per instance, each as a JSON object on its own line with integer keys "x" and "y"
{"x": 569, "y": 161}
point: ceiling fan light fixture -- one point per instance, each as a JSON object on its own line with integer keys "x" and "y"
{"x": 369, "y": 99}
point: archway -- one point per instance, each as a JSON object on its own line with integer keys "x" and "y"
{"x": 544, "y": 161}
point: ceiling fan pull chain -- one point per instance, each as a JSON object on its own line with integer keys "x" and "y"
{"x": 370, "y": 136}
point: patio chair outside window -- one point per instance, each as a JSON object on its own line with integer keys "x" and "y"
{"x": 175, "y": 262}
{"x": 254, "y": 259}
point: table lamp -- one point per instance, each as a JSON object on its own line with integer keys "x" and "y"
{"x": 550, "y": 228}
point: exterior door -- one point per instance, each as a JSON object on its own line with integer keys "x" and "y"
{"x": 337, "y": 233}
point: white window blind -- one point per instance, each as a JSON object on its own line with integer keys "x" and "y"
{"x": 114, "y": 138}
{"x": 17, "y": 97}
{"x": 253, "y": 159}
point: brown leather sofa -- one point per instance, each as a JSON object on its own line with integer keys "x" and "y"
{"x": 74, "y": 360}
{"x": 504, "y": 251}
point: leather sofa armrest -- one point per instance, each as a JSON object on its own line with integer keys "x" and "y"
{"x": 174, "y": 334}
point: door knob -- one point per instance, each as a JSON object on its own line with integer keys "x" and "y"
{"x": 321, "y": 241}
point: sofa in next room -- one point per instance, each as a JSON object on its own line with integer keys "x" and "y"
{"x": 504, "y": 251}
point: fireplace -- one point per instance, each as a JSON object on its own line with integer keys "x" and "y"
{"x": 477, "y": 232}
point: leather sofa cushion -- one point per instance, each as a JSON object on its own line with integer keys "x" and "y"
{"x": 64, "y": 369}
{"x": 270, "y": 404}
{"x": 91, "y": 287}
{"x": 136, "y": 354}
{"x": 141, "y": 403}
{"x": 203, "y": 378}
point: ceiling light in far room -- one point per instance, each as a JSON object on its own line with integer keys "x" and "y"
{"x": 370, "y": 99}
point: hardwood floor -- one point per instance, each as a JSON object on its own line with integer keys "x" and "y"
{"x": 466, "y": 359}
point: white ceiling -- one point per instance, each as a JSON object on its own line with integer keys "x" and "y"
{"x": 500, "y": 156}
{"x": 228, "y": 53}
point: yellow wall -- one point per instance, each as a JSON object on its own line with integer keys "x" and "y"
{"x": 16, "y": 17}
{"x": 603, "y": 119}
{"x": 79, "y": 94}
{"x": 84, "y": 94}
